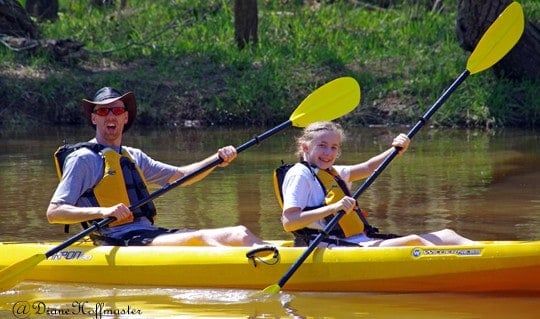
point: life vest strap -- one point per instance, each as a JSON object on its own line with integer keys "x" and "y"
{"x": 304, "y": 236}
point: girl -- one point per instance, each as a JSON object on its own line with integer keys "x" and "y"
{"x": 314, "y": 190}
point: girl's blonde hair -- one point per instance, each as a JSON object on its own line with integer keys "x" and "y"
{"x": 311, "y": 131}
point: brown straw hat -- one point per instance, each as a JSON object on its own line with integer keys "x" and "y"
{"x": 107, "y": 95}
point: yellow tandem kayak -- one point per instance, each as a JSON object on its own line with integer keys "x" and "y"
{"x": 495, "y": 266}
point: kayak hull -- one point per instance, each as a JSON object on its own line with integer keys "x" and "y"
{"x": 497, "y": 266}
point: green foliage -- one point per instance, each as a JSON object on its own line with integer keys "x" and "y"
{"x": 180, "y": 59}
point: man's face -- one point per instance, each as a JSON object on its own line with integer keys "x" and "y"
{"x": 110, "y": 120}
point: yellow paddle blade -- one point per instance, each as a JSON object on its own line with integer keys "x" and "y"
{"x": 498, "y": 40}
{"x": 331, "y": 101}
{"x": 272, "y": 289}
{"x": 13, "y": 274}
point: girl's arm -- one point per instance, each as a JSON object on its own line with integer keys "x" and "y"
{"x": 364, "y": 169}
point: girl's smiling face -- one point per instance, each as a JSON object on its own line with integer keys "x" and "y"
{"x": 323, "y": 149}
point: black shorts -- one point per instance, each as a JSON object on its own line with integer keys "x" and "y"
{"x": 141, "y": 237}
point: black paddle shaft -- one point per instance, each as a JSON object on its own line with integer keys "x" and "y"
{"x": 96, "y": 226}
{"x": 423, "y": 120}
{"x": 372, "y": 177}
{"x": 255, "y": 140}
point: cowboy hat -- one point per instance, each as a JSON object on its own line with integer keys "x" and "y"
{"x": 107, "y": 95}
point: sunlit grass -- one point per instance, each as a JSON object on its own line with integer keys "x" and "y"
{"x": 404, "y": 51}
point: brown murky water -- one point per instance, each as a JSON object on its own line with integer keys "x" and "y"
{"x": 485, "y": 185}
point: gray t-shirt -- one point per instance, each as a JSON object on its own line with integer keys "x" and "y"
{"x": 83, "y": 169}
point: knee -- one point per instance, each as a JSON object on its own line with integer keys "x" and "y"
{"x": 240, "y": 232}
{"x": 244, "y": 236}
{"x": 413, "y": 239}
{"x": 446, "y": 233}
{"x": 243, "y": 228}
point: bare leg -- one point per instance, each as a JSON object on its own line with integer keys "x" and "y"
{"x": 409, "y": 240}
{"x": 447, "y": 237}
{"x": 226, "y": 236}
{"x": 441, "y": 237}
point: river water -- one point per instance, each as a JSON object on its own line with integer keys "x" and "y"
{"x": 483, "y": 184}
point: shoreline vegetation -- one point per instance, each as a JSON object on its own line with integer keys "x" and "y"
{"x": 181, "y": 61}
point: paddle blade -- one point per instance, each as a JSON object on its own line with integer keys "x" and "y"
{"x": 272, "y": 289}
{"x": 13, "y": 274}
{"x": 498, "y": 40}
{"x": 331, "y": 101}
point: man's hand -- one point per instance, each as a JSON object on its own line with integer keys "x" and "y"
{"x": 120, "y": 212}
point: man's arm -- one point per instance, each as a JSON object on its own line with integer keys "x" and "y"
{"x": 227, "y": 153}
{"x": 69, "y": 214}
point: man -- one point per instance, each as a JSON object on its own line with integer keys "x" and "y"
{"x": 102, "y": 181}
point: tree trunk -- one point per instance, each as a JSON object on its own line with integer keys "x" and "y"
{"x": 246, "y": 22}
{"x": 14, "y": 21}
{"x": 475, "y": 17}
{"x": 19, "y": 33}
{"x": 100, "y": 3}
{"x": 43, "y": 10}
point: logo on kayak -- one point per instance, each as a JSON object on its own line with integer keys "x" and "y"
{"x": 70, "y": 255}
{"x": 418, "y": 252}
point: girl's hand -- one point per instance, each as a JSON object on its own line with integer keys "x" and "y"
{"x": 347, "y": 204}
{"x": 227, "y": 154}
{"x": 402, "y": 142}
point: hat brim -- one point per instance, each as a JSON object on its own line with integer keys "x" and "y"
{"x": 129, "y": 103}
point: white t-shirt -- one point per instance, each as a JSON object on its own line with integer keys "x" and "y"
{"x": 301, "y": 189}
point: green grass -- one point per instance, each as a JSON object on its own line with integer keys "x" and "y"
{"x": 180, "y": 59}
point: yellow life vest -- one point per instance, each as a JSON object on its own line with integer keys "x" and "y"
{"x": 334, "y": 189}
{"x": 122, "y": 180}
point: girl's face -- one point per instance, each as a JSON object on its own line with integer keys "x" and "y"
{"x": 323, "y": 150}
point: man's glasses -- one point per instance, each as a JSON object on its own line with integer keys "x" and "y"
{"x": 104, "y": 111}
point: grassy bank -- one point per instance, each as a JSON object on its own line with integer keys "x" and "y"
{"x": 180, "y": 59}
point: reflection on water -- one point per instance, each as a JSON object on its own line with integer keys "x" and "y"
{"x": 485, "y": 185}
{"x": 79, "y": 301}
